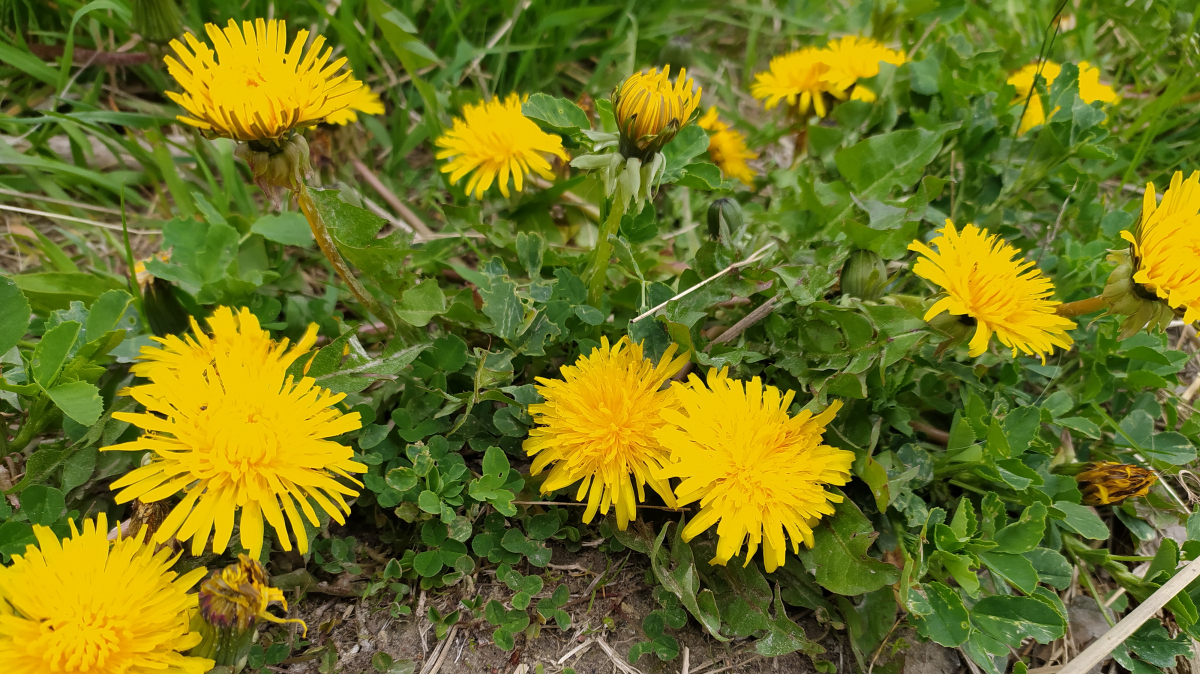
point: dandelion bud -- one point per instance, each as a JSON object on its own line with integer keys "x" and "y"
{"x": 725, "y": 219}
{"x": 232, "y": 601}
{"x": 650, "y": 110}
{"x": 157, "y": 21}
{"x": 864, "y": 275}
{"x": 1106, "y": 482}
{"x": 277, "y": 164}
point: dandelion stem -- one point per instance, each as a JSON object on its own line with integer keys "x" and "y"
{"x": 597, "y": 270}
{"x": 1073, "y": 309}
{"x": 329, "y": 247}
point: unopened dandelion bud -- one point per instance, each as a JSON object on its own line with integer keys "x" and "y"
{"x": 1108, "y": 482}
{"x": 232, "y": 601}
{"x": 864, "y": 275}
{"x": 725, "y": 219}
{"x": 650, "y": 110}
{"x": 157, "y": 21}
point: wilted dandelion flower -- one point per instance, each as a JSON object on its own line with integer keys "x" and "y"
{"x": 85, "y": 604}
{"x": 758, "y": 473}
{"x": 232, "y": 431}
{"x": 495, "y": 140}
{"x": 853, "y": 58}
{"x": 1090, "y": 90}
{"x": 1158, "y": 277}
{"x": 797, "y": 78}
{"x": 650, "y": 110}
{"x": 988, "y": 287}
{"x": 1106, "y": 482}
{"x": 238, "y": 595}
{"x": 597, "y": 428}
{"x": 362, "y": 100}
{"x": 727, "y": 147}
{"x": 250, "y": 86}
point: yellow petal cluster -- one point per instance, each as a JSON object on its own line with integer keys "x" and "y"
{"x": 987, "y": 285}
{"x": 758, "y": 473}
{"x": 362, "y": 100}
{"x": 597, "y": 427}
{"x": 85, "y": 604}
{"x": 1166, "y": 245}
{"x": 650, "y": 109}
{"x": 250, "y": 86}
{"x": 495, "y": 140}
{"x": 727, "y": 147}
{"x": 803, "y": 77}
{"x": 1106, "y": 482}
{"x": 232, "y": 431}
{"x": 237, "y": 596}
{"x": 1090, "y": 90}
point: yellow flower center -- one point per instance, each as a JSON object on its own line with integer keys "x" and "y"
{"x": 82, "y": 639}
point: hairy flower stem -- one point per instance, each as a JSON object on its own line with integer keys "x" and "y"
{"x": 329, "y": 247}
{"x": 1073, "y": 309}
{"x": 597, "y": 270}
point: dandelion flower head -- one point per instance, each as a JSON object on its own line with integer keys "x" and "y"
{"x": 237, "y": 596}
{"x": 985, "y": 282}
{"x": 87, "y": 604}
{"x": 650, "y": 109}
{"x": 495, "y": 140}
{"x": 232, "y": 431}
{"x": 597, "y": 427}
{"x": 362, "y": 100}
{"x": 1166, "y": 245}
{"x": 727, "y": 147}
{"x": 797, "y": 78}
{"x": 1090, "y": 90}
{"x": 250, "y": 86}
{"x": 1106, "y": 482}
{"x": 853, "y": 58}
{"x": 758, "y": 473}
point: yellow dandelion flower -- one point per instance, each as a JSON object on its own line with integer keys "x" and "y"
{"x": 597, "y": 428}
{"x": 85, "y": 604}
{"x": 854, "y": 58}
{"x": 727, "y": 147}
{"x": 1106, "y": 482}
{"x": 1090, "y": 90}
{"x": 237, "y": 596}
{"x": 798, "y": 78}
{"x": 754, "y": 469}
{"x": 494, "y": 139}
{"x": 988, "y": 289}
{"x": 362, "y": 100}
{"x": 230, "y": 429}
{"x": 650, "y": 110}
{"x": 251, "y": 87}
{"x": 1166, "y": 245}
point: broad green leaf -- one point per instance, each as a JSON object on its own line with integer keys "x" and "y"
{"x": 1010, "y": 620}
{"x": 1152, "y": 644}
{"x": 43, "y": 504}
{"x": 1051, "y": 567}
{"x": 838, "y": 556}
{"x": 48, "y": 291}
{"x": 556, "y": 113}
{"x": 530, "y": 249}
{"x": 290, "y": 229}
{"x": 421, "y": 303}
{"x": 1024, "y": 534}
{"x": 879, "y": 164}
{"x": 501, "y": 304}
{"x": 51, "y": 352}
{"x": 1015, "y": 569}
{"x": 105, "y": 313}
{"x": 79, "y": 400}
{"x": 948, "y": 624}
{"x": 677, "y": 573}
{"x": 689, "y": 143}
{"x": 14, "y": 314}
{"x": 1079, "y": 519}
{"x": 356, "y": 232}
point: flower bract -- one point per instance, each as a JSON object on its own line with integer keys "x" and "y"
{"x": 727, "y": 147}
{"x": 87, "y": 604}
{"x": 362, "y": 100}
{"x": 650, "y": 110}
{"x": 232, "y": 431}
{"x": 597, "y": 427}
{"x": 495, "y": 140}
{"x": 758, "y": 472}
{"x": 797, "y": 78}
{"x": 987, "y": 286}
{"x": 250, "y": 86}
